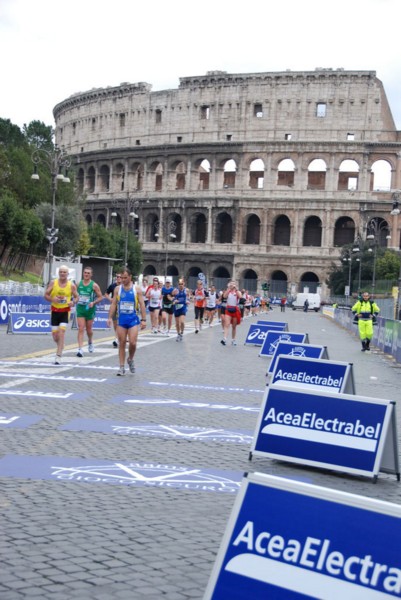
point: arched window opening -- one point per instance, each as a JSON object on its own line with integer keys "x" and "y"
{"x": 312, "y": 232}
{"x": 221, "y": 276}
{"x": 204, "y": 175}
{"x": 91, "y": 178}
{"x": 193, "y": 276}
{"x": 88, "y": 219}
{"x": 252, "y": 235}
{"x": 256, "y": 174}
{"x": 249, "y": 281}
{"x": 282, "y": 231}
{"x": 104, "y": 179}
{"x": 101, "y": 219}
{"x": 80, "y": 180}
{"x": 348, "y": 175}
{"x": 309, "y": 283}
{"x": 224, "y": 229}
{"x": 278, "y": 283}
{"x": 230, "y": 169}
{"x": 158, "y": 175}
{"x": 149, "y": 270}
{"x": 380, "y": 179}
{"x": 119, "y": 177}
{"x": 180, "y": 172}
{"x": 344, "y": 231}
{"x": 286, "y": 172}
{"x": 317, "y": 174}
{"x": 198, "y": 229}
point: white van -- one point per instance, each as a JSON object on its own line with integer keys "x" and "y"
{"x": 313, "y": 299}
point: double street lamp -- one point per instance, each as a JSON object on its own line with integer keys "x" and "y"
{"x": 376, "y": 232}
{"x": 171, "y": 227}
{"x": 58, "y": 162}
{"x": 130, "y": 209}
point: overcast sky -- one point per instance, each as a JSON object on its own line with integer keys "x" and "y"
{"x": 51, "y": 49}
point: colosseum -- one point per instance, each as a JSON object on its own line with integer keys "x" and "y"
{"x": 262, "y": 177}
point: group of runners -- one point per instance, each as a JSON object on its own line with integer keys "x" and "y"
{"x": 129, "y": 304}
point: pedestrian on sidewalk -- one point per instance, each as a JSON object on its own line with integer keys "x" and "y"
{"x": 127, "y": 302}
{"x": 89, "y": 295}
{"x": 62, "y": 294}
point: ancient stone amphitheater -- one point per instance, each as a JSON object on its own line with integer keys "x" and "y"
{"x": 262, "y": 177}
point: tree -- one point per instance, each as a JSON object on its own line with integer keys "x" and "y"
{"x": 388, "y": 266}
{"x": 111, "y": 243}
{"x": 39, "y": 135}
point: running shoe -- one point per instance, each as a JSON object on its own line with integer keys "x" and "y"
{"x": 57, "y": 360}
{"x": 121, "y": 372}
{"x": 223, "y": 342}
{"x": 91, "y": 347}
{"x": 233, "y": 343}
{"x": 131, "y": 365}
{"x": 80, "y": 353}
{"x": 115, "y": 344}
{"x": 196, "y": 330}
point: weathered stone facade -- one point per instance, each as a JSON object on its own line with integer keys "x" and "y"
{"x": 260, "y": 176}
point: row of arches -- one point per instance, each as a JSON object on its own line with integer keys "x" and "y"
{"x": 200, "y": 230}
{"x": 156, "y": 176}
{"x": 248, "y": 279}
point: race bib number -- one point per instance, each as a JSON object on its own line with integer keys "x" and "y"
{"x": 127, "y": 307}
{"x": 83, "y": 300}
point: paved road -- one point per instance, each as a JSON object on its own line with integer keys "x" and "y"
{"x": 122, "y": 487}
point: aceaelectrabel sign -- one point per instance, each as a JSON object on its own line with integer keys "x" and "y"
{"x": 287, "y": 539}
{"x": 293, "y": 349}
{"x": 257, "y": 333}
{"x": 273, "y": 338}
{"x": 29, "y": 323}
{"x": 99, "y": 322}
{"x": 274, "y": 324}
{"x": 309, "y": 373}
{"x": 347, "y": 433}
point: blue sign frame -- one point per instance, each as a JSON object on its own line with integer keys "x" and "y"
{"x": 273, "y": 338}
{"x": 29, "y": 323}
{"x": 274, "y": 324}
{"x": 331, "y": 431}
{"x": 309, "y": 373}
{"x": 288, "y": 539}
{"x": 257, "y": 333}
{"x": 293, "y": 349}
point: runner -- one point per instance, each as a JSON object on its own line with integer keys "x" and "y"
{"x": 60, "y": 293}
{"x": 181, "y": 301}
{"x": 199, "y": 305}
{"x": 109, "y": 295}
{"x": 127, "y": 299}
{"x": 211, "y": 304}
{"x": 167, "y": 307}
{"x": 154, "y": 295}
{"x": 232, "y": 312}
{"x": 89, "y": 295}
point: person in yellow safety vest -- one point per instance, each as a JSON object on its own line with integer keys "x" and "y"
{"x": 365, "y": 311}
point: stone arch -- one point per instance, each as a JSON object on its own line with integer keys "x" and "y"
{"x": 230, "y": 171}
{"x": 312, "y": 232}
{"x": 203, "y": 168}
{"x": 344, "y": 231}
{"x": 317, "y": 174}
{"x": 88, "y": 219}
{"x": 221, "y": 276}
{"x": 286, "y": 172}
{"x": 178, "y": 171}
{"x": 119, "y": 177}
{"x": 101, "y": 219}
{"x": 156, "y": 170}
{"x": 380, "y": 179}
{"x": 91, "y": 180}
{"x": 278, "y": 283}
{"x": 348, "y": 175}
{"x": 198, "y": 231}
{"x": 104, "y": 178}
{"x": 80, "y": 180}
{"x": 224, "y": 228}
{"x": 282, "y": 231}
{"x": 252, "y": 229}
{"x": 149, "y": 270}
{"x": 249, "y": 280}
{"x": 256, "y": 174}
{"x": 310, "y": 281}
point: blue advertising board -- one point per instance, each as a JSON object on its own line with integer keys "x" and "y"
{"x": 99, "y": 322}
{"x": 287, "y": 539}
{"x": 257, "y": 333}
{"x": 274, "y": 324}
{"x": 309, "y": 373}
{"x": 21, "y": 304}
{"x": 294, "y": 349}
{"x": 273, "y": 338}
{"x": 29, "y": 323}
{"x": 336, "y": 431}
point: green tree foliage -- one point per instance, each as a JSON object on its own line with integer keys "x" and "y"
{"x": 388, "y": 266}
{"x": 20, "y": 229}
{"x": 111, "y": 243}
{"x": 39, "y": 135}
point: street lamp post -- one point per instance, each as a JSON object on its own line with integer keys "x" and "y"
{"x": 376, "y": 228}
{"x": 56, "y": 161}
{"x": 130, "y": 208}
{"x": 171, "y": 227}
{"x": 395, "y": 212}
{"x": 357, "y": 251}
